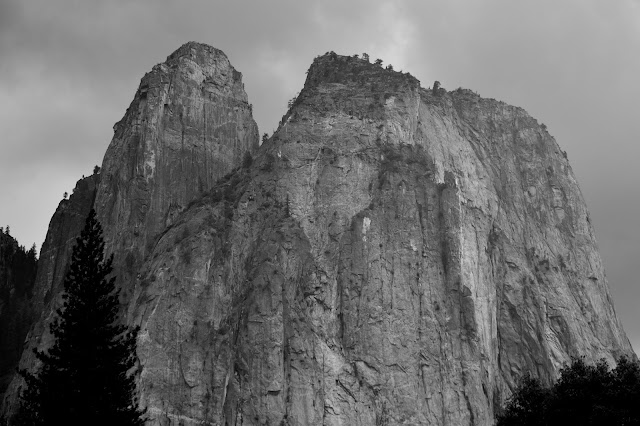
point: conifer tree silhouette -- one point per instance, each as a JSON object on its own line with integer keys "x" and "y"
{"x": 89, "y": 375}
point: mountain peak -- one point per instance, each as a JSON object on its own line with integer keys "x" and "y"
{"x": 386, "y": 234}
{"x": 334, "y": 68}
{"x": 196, "y": 51}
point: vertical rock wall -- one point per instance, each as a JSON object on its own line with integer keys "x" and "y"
{"x": 189, "y": 124}
{"x": 394, "y": 255}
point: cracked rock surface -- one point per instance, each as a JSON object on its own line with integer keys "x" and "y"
{"x": 392, "y": 255}
{"x": 188, "y": 125}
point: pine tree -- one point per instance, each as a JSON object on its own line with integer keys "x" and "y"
{"x": 89, "y": 375}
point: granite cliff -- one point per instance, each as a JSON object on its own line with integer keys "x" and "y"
{"x": 391, "y": 255}
{"x": 188, "y": 125}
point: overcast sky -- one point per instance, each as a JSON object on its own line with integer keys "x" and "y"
{"x": 68, "y": 70}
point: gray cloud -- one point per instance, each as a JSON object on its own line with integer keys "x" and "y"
{"x": 70, "y": 68}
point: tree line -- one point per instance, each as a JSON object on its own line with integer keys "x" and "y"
{"x": 584, "y": 394}
{"x": 17, "y": 277}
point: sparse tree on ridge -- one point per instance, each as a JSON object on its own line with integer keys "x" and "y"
{"x": 89, "y": 374}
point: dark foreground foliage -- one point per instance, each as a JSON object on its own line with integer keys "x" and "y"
{"x": 89, "y": 374}
{"x": 17, "y": 276}
{"x": 583, "y": 395}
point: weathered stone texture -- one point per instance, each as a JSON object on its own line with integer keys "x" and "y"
{"x": 394, "y": 255}
{"x": 65, "y": 225}
{"x": 189, "y": 124}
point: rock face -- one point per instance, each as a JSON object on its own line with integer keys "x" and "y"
{"x": 64, "y": 227}
{"x": 392, "y": 255}
{"x": 188, "y": 125}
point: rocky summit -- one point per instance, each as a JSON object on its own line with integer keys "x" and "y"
{"x": 391, "y": 255}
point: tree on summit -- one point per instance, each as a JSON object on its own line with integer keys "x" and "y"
{"x": 89, "y": 374}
